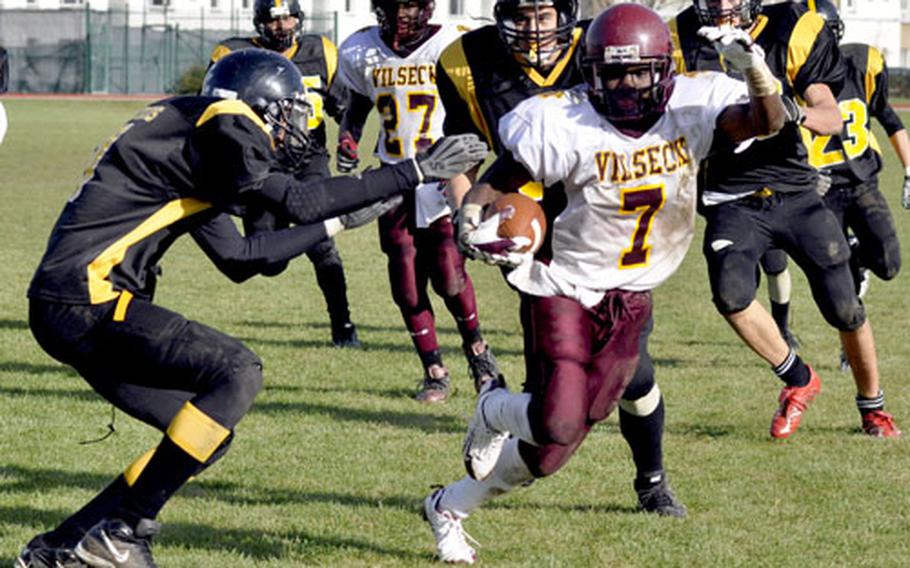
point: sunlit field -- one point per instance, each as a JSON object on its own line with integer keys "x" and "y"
{"x": 332, "y": 464}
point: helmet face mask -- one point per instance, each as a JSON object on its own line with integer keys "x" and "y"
{"x": 289, "y": 119}
{"x": 272, "y": 86}
{"x": 741, "y": 15}
{"x": 628, "y": 65}
{"x": 402, "y": 30}
{"x": 521, "y": 27}
{"x": 271, "y": 17}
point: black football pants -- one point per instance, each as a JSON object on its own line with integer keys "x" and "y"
{"x": 739, "y": 232}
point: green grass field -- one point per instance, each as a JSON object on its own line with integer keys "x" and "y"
{"x": 331, "y": 466}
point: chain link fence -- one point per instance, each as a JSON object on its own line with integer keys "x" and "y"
{"x": 115, "y": 52}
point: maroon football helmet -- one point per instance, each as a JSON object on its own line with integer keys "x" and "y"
{"x": 403, "y": 33}
{"x": 624, "y": 37}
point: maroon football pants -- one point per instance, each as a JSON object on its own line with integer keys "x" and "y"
{"x": 580, "y": 361}
{"x": 418, "y": 256}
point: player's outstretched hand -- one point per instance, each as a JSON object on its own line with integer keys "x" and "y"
{"x": 481, "y": 241}
{"x": 905, "y": 193}
{"x": 346, "y": 159}
{"x": 369, "y": 213}
{"x": 450, "y": 156}
{"x": 735, "y": 45}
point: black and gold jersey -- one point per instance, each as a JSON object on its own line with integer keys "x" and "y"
{"x": 317, "y": 59}
{"x": 855, "y": 155}
{"x": 479, "y": 81}
{"x": 801, "y": 51}
{"x": 171, "y": 168}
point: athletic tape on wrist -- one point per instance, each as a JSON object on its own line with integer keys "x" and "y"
{"x": 760, "y": 81}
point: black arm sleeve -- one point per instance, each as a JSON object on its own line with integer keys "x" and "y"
{"x": 355, "y": 115}
{"x": 308, "y": 202}
{"x": 240, "y": 258}
{"x": 881, "y": 109}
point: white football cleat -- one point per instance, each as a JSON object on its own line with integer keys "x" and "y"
{"x": 482, "y": 444}
{"x": 451, "y": 540}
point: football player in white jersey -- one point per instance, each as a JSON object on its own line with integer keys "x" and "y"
{"x": 392, "y": 67}
{"x": 626, "y": 146}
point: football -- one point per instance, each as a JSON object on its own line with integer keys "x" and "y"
{"x": 521, "y": 217}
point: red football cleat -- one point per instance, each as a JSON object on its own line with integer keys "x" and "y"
{"x": 880, "y": 424}
{"x": 793, "y": 401}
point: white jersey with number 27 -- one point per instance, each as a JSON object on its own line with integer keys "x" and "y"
{"x": 402, "y": 88}
{"x": 630, "y": 214}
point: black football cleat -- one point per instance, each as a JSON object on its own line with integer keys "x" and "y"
{"x": 435, "y": 387}
{"x": 345, "y": 336}
{"x": 482, "y": 366}
{"x": 660, "y": 500}
{"x": 47, "y": 557}
{"x": 114, "y": 544}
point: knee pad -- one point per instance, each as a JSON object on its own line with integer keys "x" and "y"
{"x": 888, "y": 264}
{"x": 197, "y": 433}
{"x": 642, "y": 381}
{"x": 563, "y": 430}
{"x": 773, "y": 262}
{"x": 447, "y": 276}
{"x": 554, "y": 427}
{"x": 731, "y": 301}
{"x": 244, "y": 384}
{"x": 448, "y": 281}
{"x": 845, "y": 314}
{"x": 733, "y": 280}
{"x": 643, "y": 405}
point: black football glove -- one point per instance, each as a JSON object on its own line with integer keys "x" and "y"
{"x": 905, "y": 193}
{"x": 794, "y": 112}
{"x": 450, "y": 156}
{"x": 368, "y": 214}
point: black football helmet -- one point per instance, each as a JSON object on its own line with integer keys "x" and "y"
{"x": 264, "y": 11}
{"x": 710, "y": 13}
{"x": 403, "y": 32}
{"x": 527, "y": 43}
{"x": 628, "y": 36}
{"x": 828, "y": 11}
{"x": 272, "y": 86}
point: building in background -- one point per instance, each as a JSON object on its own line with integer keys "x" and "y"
{"x": 150, "y": 46}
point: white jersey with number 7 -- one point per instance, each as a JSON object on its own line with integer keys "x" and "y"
{"x": 630, "y": 215}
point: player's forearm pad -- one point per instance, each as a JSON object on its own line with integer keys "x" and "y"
{"x": 316, "y": 201}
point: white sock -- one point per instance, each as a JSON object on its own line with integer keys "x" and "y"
{"x": 465, "y": 495}
{"x": 508, "y": 412}
{"x": 779, "y": 286}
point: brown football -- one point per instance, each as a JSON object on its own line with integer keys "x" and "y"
{"x": 521, "y": 217}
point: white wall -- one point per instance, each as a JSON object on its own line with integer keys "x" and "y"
{"x": 875, "y": 22}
